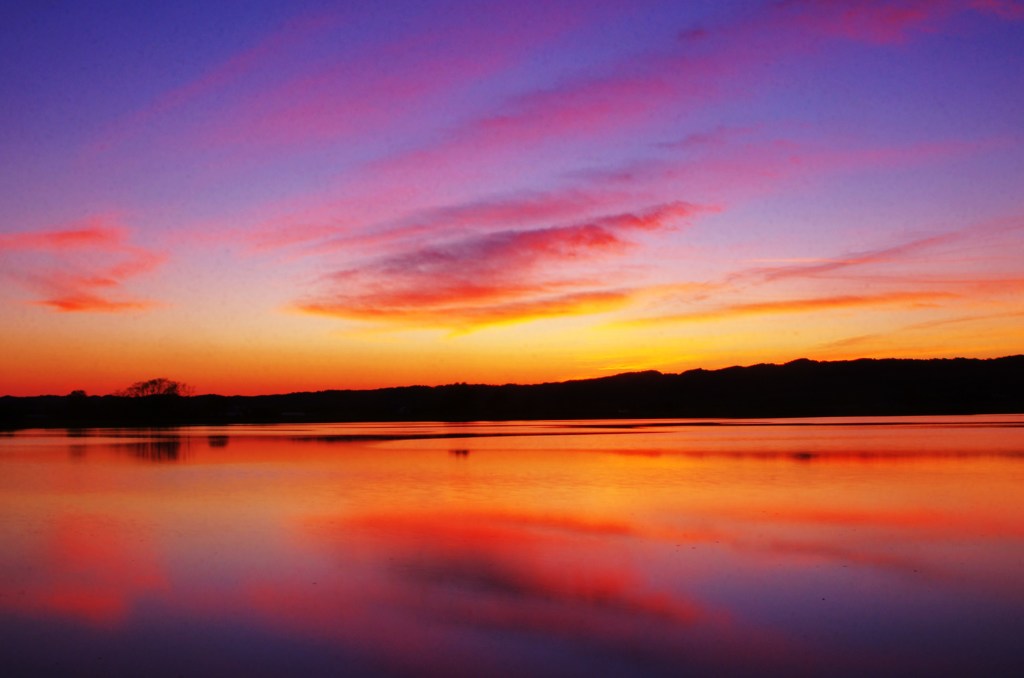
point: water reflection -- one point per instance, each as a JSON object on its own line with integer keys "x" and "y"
{"x": 159, "y": 449}
{"x": 655, "y": 550}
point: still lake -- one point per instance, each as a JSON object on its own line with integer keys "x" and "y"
{"x": 759, "y": 547}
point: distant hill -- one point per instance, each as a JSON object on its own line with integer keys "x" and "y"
{"x": 802, "y": 388}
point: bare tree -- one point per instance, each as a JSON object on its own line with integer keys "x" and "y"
{"x": 158, "y": 386}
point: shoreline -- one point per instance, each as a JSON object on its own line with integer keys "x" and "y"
{"x": 801, "y": 388}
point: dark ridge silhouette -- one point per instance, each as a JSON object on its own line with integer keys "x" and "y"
{"x": 802, "y": 388}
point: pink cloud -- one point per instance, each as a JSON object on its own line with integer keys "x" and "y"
{"x": 722, "y": 162}
{"x": 505, "y": 269}
{"x": 508, "y": 211}
{"x": 731, "y": 166}
{"x": 312, "y": 81}
{"x": 727, "y": 61}
{"x": 386, "y": 213}
{"x": 68, "y": 267}
{"x": 664, "y": 85}
{"x": 721, "y": 166}
{"x": 883, "y": 255}
{"x": 350, "y": 98}
{"x": 499, "y": 261}
{"x": 499, "y": 252}
{"x": 356, "y": 97}
{"x": 492, "y": 277}
{"x": 92, "y": 233}
{"x": 575, "y": 112}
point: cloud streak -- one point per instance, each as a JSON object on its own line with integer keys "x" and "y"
{"x": 466, "y": 282}
{"x": 690, "y": 76}
{"x": 882, "y": 255}
{"x": 805, "y": 305}
{"x": 218, "y": 78}
{"x": 344, "y": 75}
{"x": 500, "y": 276}
{"x": 83, "y": 267}
{"x": 475, "y": 152}
{"x": 916, "y": 284}
{"x": 887, "y": 22}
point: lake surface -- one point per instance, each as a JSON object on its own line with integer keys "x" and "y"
{"x": 789, "y": 547}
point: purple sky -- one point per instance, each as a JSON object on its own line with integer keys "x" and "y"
{"x": 258, "y": 197}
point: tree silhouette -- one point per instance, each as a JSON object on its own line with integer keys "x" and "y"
{"x": 159, "y": 386}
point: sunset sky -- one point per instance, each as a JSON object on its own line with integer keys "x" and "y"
{"x": 259, "y": 197}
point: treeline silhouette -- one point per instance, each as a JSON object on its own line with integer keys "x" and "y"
{"x": 802, "y": 388}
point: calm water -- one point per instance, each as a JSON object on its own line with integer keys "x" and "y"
{"x": 846, "y": 547}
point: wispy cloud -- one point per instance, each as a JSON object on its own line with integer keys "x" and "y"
{"x": 923, "y": 272}
{"x": 669, "y": 81}
{"x": 498, "y": 276}
{"x": 892, "y": 264}
{"x": 520, "y": 210}
{"x": 80, "y": 267}
{"x": 882, "y": 255}
{"x": 738, "y": 165}
{"x": 472, "y": 155}
{"x": 72, "y": 301}
{"x": 459, "y": 251}
{"x": 886, "y": 22}
{"x": 727, "y": 166}
{"x": 875, "y": 338}
{"x": 220, "y": 77}
{"x": 431, "y": 284}
{"x": 804, "y": 305}
{"x": 344, "y": 74}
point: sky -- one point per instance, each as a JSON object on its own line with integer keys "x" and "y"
{"x": 264, "y": 197}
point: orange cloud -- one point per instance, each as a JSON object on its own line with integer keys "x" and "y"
{"x": 466, "y": 317}
{"x": 87, "y": 302}
{"x": 92, "y": 233}
{"x": 68, "y": 266}
{"x": 884, "y": 268}
{"x": 799, "y": 306}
